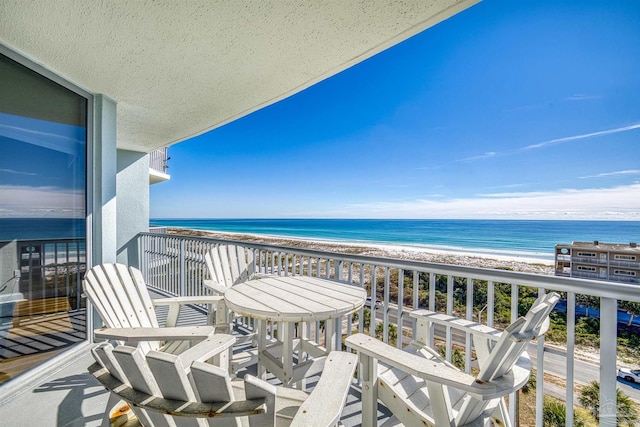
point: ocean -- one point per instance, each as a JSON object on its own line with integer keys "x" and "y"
{"x": 41, "y": 228}
{"x": 530, "y": 239}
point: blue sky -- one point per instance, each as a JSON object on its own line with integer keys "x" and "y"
{"x": 42, "y": 168}
{"x": 510, "y": 109}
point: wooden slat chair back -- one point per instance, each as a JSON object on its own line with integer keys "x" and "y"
{"x": 229, "y": 265}
{"x": 122, "y": 299}
{"x": 104, "y": 355}
{"x": 120, "y": 296}
{"x": 421, "y": 388}
{"x": 182, "y": 391}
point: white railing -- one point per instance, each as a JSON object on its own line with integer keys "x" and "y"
{"x": 158, "y": 160}
{"x": 52, "y": 268}
{"x": 587, "y": 260}
{"x": 175, "y": 265}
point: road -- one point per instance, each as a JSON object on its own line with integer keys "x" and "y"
{"x": 555, "y": 360}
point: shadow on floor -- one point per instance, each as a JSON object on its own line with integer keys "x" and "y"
{"x": 80, "y": 388}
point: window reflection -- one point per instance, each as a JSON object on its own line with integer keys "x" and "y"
{"x": 42, "y": 218}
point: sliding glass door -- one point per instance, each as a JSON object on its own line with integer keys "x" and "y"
{"x": 43, "y": 158}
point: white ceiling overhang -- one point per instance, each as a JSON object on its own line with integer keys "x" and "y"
{"x": 180, "y": 68}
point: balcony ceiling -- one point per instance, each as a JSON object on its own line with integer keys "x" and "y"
{"x": 180, "y": 68}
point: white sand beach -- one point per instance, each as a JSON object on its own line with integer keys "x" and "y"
{"x": 470, "y": 259}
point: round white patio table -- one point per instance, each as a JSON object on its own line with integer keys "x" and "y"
{"x": 290, "y": 300}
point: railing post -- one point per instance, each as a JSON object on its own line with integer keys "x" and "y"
{"x": 372, "y": 308}
{"x": 183, "y": 273}
{"x": 513, "y": 397}
{"x": 448, "y": 333}
{"x": 571, "y": 339}
{"x": 385, "y": 307}
{"x": 469, "y": 313}
{"x": 416, "y": 303}
{"x": 540, "y": 376}
{"x": 339, "y": 270}
{"x": 608, "y": 341}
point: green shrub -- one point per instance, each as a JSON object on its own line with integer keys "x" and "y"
{"x": 554, "y": 414}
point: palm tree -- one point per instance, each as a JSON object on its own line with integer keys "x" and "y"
{"x": 627, "y": 412}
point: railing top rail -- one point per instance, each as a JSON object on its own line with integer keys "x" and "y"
{"x": 606, "y": 289}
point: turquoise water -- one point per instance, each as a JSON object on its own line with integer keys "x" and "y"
{"x": 535, "y": 239}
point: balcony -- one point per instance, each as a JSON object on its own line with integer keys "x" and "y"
{"x": 174, "y": 265}
{"x": 590, "y": 260}
{"x": 627, "y": 264}
{"x": 158, "y": 166}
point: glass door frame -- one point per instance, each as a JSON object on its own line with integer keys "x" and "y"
{"x": 27, "y": 379}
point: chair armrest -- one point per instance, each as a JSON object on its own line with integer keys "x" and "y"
{"x": 175, "y": 303}
{"x": 206, "y": 349}
{"x": 196, "y": 299}
{"x": 132, "y": 335}
{"x": 176, "y": 407}
{"x": 421, "y": 367}
{"x": 324, "y": 406}
{"x": 216, "y": 287}
{"x": 470, "y": 326}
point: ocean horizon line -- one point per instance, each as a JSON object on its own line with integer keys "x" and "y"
{"x": 387, "y": 219}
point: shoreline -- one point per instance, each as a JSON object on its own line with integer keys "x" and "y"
{"x": 468, "y": 259}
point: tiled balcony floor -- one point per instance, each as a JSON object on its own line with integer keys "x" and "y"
{"x": 71, "y": 397}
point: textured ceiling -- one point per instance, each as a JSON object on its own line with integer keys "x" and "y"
{"x": 180, "y": 68}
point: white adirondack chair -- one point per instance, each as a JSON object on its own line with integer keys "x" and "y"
{"x": 420, "y": 388}
{"x": 169, "y": 390}
{"x": 229, "y": 265}
{"x": 120, "y": 296}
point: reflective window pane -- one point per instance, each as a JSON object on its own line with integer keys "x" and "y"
{"x": 43, "y": 146}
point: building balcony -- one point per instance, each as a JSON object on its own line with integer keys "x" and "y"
{"x": 588, "y": 260}
{"x": 158, "y": 166}
{"x": 174, "y": 265}
{"x": 626, "y": 264}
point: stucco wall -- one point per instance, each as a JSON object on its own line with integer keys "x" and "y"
{"x": 132, "y": 186}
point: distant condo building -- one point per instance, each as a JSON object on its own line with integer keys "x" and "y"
{"x": 614, "y": 262}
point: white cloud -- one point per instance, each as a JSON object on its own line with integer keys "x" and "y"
{"x": 18, "y": 172}
{"x": 583, "y": 136}
{"x": 617, "y": 173}
{"x": 41, "y": 202}
{"x": 480, "y": 157}
{"x": 597, "y": 203}
{"x": 509, "y": 186}
{"x": 491, "y": 154}
{"x": 581, "y": 97}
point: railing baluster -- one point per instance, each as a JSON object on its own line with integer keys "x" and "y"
{"x": 361, "y": 320}
{"x": 400, "y": 307}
